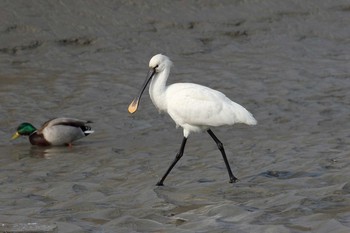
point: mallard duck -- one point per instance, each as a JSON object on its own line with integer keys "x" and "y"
{"x": 55, "y": 132}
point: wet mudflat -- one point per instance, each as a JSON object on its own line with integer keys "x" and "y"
{"x": 286, "y": 61}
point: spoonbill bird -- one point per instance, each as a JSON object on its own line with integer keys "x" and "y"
{"x": 193, "y": 107}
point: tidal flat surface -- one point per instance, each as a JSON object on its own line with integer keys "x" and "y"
{"x": 287, "y": 62}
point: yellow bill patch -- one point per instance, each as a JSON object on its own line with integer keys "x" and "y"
{"x": 133, "y": 106}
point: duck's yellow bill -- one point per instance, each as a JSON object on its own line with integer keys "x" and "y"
{"x": 16, "y": 135}
{"x": 133, "y": 106}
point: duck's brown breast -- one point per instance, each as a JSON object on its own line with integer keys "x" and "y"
{"x": 38, "y": 139}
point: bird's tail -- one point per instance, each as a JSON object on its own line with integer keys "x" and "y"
{"x": 251, "y": 120}
{"x": 242, "y": 115}
{"x": 87, "y": 130}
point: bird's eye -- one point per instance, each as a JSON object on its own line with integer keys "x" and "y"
{"x": 156, "y": 66}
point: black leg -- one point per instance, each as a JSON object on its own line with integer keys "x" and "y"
{"x": 177, "y": 158}
{"x": 222, "y": 150}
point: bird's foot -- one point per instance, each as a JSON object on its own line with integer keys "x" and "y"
{"x": 160, "y": 183}
{"x": 233, "y": 180}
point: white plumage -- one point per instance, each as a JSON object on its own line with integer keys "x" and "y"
{"x": 196, "y": 108}
{"x": 193, "y": 107}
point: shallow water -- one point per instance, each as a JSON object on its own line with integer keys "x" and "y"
{"x": 285, "y": 61}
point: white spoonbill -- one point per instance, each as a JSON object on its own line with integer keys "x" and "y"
{"x": 193, "y": 107}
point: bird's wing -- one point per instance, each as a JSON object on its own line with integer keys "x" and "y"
{"x": 64, "y": 121}
{"x": 198, "y": 105}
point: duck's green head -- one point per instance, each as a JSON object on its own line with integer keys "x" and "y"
{"x": 24, "y": 129}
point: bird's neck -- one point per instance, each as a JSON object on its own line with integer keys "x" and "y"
{"x": 158, "y": 88}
